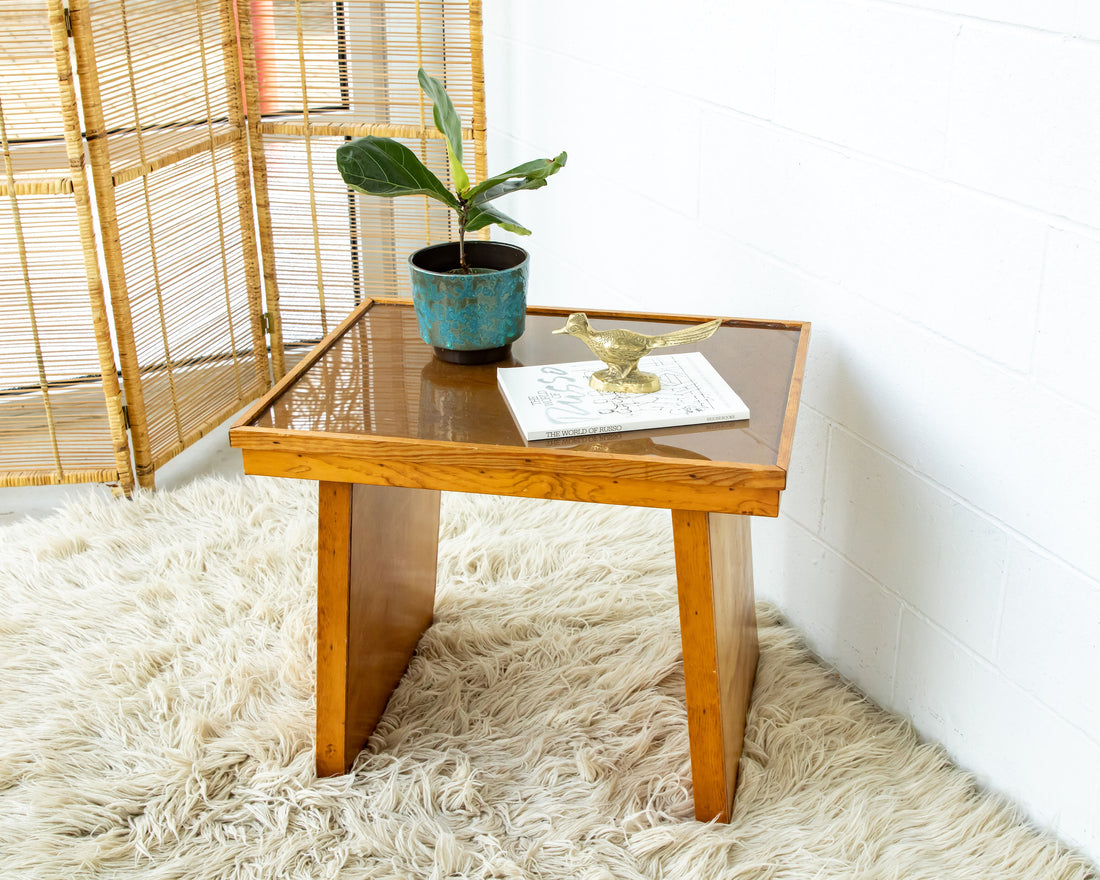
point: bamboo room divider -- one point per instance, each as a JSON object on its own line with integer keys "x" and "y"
{"x": 164, "y": 124}
{"x": 60, "y": 405}
{"x": 323, "y": 72}
{"x": 133, "y": 304}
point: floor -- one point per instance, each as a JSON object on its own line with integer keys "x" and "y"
{"x": 210, "y": 455}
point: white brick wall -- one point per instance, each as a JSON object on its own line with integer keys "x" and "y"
{"x": 921, "y": 179}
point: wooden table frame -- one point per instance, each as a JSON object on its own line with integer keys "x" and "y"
{"x": 383, "y": 493}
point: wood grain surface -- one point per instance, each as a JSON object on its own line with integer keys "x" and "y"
{"x": 794, "y": 396}
{"x": 620, "y": 479}
{"x": 718, "y": 633}
{"x": 384, "y": 412}
{"x": 376, "y": 562}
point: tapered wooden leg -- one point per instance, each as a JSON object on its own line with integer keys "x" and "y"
{"x": 718, "y": 632}
{"x": 376, "y": 560}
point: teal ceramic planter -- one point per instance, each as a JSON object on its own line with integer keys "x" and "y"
{"x": 470, "y": 319}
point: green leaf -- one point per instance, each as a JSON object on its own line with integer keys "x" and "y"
{"x": 383, "y": 167}
{"x": 447, "y": 121}
{"x": 482, "y": 216}
{"x": 529, "y": 175}
{"x": 510, "y": 186}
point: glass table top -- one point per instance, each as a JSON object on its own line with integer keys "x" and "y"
{"x": 379, "y": 380}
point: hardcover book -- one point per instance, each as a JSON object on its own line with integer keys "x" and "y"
{"x": 555, "y": 400}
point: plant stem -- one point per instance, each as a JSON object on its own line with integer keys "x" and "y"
{"x": 463, "y": 216}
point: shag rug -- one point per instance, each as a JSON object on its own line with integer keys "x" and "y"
{"x": 156, "y": 715}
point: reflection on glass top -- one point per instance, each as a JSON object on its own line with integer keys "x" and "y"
{"x": 379, "y": 379}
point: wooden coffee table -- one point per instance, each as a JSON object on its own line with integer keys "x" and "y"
{"x": 383, "y": 427}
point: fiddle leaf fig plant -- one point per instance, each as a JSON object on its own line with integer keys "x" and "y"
{"x": 381, "y": 166}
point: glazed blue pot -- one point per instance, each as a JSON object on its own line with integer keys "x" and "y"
{"x": 470, "y": 319}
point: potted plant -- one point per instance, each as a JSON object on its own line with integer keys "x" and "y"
{"x": 470, "y": 296}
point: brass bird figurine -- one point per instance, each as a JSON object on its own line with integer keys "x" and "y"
{"x": 622, "y": 349}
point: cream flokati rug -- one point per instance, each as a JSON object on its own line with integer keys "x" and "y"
{"x": 156, "y": 680}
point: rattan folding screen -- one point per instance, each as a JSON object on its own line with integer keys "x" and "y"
{"x": 176, "y": 167}
{"x": 164, "y": 123}
{"x": 323, "y": 72}
{"x": 60, "y": 404}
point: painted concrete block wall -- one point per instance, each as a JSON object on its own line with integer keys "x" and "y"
{"x": 921, "y": 179}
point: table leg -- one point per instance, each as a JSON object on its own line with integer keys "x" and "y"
{"x": 376, "y": 562}
{"x": 718, "y": 632}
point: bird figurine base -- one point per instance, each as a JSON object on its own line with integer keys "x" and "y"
{"x": 636, "y": 382}
{"x": 622, "y": 349}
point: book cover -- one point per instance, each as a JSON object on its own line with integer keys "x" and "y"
{"x": 555, "y": 400}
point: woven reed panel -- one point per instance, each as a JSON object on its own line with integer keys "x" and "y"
{"x": 328, "y": 71}
{"x": 163, "y": 111}
{"x": 58, "y": 422}
{"x": 188, "y": 296}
